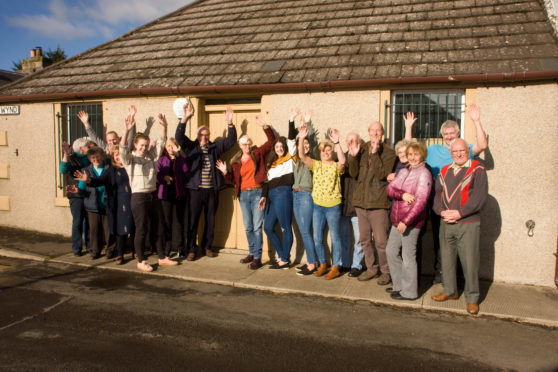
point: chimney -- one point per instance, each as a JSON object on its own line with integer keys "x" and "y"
{"x": 32, "y": 53}
{"x": 38, "y": 51}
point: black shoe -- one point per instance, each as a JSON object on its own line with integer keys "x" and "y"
{"x": 397, "y": 296}
{"x": 390, "y": 290}
{"x": 354, "y": 273}
{"x": 305, "y": 271}
{"x": 110, "y": 254}
{"x": 344, "y": 269}
{"x": 301, "y": 267}
{"x": 276, "y": 266}
{"x": 77, "y": 254}
{"x": 95, "y": 256}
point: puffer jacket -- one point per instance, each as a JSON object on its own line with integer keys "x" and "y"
{"x": 415, "y": 180}
{"x": 370, "y": 172}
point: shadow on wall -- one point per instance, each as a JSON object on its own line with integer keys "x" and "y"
{"x": 491, "y": 227}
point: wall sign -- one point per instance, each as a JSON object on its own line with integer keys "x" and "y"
{"x": 9, "y": 110}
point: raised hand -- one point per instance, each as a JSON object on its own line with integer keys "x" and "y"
{"x": 260, "y": 121}
{"x": 308, "y": 116}
{"x": 132, "y": 111}
{"x": 354, "y": 147}
{"x": 409, "y": 119}
{"x": 229, "y": 115}
{"x": 301, "y": 124}
{"x": 130, "y": 123}
{"x": 66, "y": 148}
{"x": 80, "y": 176}
{"x": 84, "y": 118}
{"x": 188, "y": 110}
{"x": 294, "y": 113}
{"x": 474, "y": 112}
{"x": 221, "y": 166}
{"x": 302, "y": 133}
{"x": 162, "y": 120}
{"x": 334, "y": 136}
{"x": 71, "y": 189}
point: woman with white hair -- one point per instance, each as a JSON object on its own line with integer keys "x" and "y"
{"x": 70, "y": 163}
{"x": 248, "y": 172}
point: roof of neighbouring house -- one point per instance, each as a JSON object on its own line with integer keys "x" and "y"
{"x": 9, "y": 76}
{"x": 244, "y": 42}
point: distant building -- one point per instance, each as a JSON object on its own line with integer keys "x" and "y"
{"x": 352, "y": 62}
{"x": 7, "y": 77}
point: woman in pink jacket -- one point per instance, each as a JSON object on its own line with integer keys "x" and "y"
{"x": 410, "y": 191}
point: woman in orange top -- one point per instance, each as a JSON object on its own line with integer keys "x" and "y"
{"x": 248, "y": 174}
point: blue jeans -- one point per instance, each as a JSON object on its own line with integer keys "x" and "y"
{"x": 79, "y": 225}
{"x": 303, "y": 208}
{"x": 253, "y": 220}
{"x": 333, "y": 216}
{"x": 346, "y": 223}
{"x": 280, "y": 208}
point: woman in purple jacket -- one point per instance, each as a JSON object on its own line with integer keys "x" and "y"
{"x": 172, "y": 169}
{"x": 410, "y": 191}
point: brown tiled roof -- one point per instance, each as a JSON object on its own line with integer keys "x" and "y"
{"x": 239, "y": 42}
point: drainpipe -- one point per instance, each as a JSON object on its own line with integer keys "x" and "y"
{"x": 556, "y": 270}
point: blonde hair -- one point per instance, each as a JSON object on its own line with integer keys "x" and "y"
{"x": 114, "y": 149}
{"x": 325, "y": 143}
{"x": 418, "y": 147}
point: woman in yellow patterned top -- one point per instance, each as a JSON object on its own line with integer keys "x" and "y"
{"x": 326, "y": 194}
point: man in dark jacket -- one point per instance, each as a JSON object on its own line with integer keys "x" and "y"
{"x": 205, "y": 180}
{"x": 461, "y": 191}
{"x": 370, "y": 166}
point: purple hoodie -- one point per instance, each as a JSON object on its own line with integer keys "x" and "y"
{"x": 180, "y": 174}
{"x": 415, "y": 180}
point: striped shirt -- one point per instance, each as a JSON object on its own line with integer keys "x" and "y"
{"x": 206, "y": 181}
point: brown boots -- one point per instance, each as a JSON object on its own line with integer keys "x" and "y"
{"x": 322, "y": 269}
{"x": 333, "y": 273}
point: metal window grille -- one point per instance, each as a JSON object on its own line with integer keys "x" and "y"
{"x": 71, "y": 128}
{"x": 431, "y": 109}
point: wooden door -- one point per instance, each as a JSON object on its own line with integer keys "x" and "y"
{"x": 229, "y": 226}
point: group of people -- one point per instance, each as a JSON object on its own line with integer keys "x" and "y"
{"x": 129, "y": 186}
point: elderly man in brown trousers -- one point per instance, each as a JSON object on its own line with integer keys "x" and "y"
{"x": 370, "y": 166}
{"x": 461, "y": 191}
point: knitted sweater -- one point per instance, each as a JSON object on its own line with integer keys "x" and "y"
{"x": 465, "y": 192}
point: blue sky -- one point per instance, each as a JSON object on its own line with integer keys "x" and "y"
{"x": 75, "y": 25}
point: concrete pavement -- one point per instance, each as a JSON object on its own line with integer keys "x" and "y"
{"x": 527, "y": 304}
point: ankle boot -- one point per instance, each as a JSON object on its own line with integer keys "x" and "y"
{"x": 333, "y": 273}
{"x": 322, "y": 269}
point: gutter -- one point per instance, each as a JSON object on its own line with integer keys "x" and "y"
{"x": 500, "y": 77}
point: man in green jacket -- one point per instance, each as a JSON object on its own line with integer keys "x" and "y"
{"x": 370, "y": 166}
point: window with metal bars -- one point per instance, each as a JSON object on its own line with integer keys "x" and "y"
{"x": 432, "y": 108}
{"x": 72, "y": 128}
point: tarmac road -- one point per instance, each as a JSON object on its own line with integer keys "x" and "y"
{"x": 64, "y": 317}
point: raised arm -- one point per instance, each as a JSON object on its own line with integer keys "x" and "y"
{"x": 302, "y": 134}
{"x": 64, "y": 166}
{"x": 180, "y": 135}
{"x": 482, "y": 143}
{"x": 84, "y": 118}
{"x": 354, "y": 157}
{"x": 229, "y": 141}
{"x": 266, "y": 147}
{"x": 409, "y": 119}
{"x": 334, "y": 137}
{"x": 130, "y": 123}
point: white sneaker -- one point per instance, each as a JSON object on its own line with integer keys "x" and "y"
{"x": 145, "y": 266}
{"x": 167, "y": 262}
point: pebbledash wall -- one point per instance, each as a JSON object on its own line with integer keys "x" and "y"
{"x": 520, "y": 122}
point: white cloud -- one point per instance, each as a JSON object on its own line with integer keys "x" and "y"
{"x": 82, "y": 19}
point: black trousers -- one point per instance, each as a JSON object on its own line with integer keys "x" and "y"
{"x": 168, "y": 208}
{"x": 206, "y": 200}
{"x": 146, "y": 209}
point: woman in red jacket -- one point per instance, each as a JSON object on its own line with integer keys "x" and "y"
{"x": 248, "y": 174}
{"x": 410, "y": 191}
